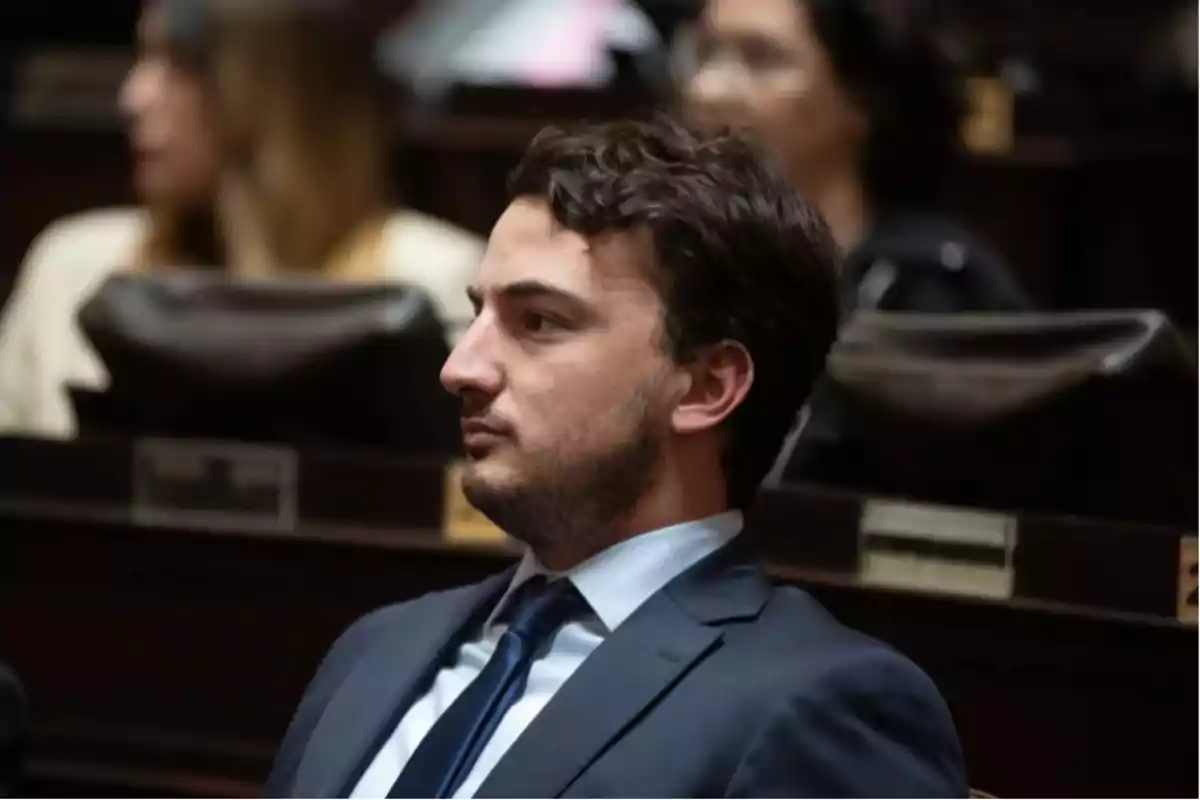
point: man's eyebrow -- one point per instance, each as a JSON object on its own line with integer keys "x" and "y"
{"x": 527, "y": 289}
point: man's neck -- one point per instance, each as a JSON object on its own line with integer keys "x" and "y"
{"x": 667, "y": 503}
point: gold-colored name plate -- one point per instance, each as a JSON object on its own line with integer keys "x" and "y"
{"x": 462, "y": 523}
{"x": 1186, "y": 606}
{"x": 989, "y": 123}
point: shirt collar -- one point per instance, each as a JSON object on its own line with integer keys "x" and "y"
{"x": 616, "y": 581}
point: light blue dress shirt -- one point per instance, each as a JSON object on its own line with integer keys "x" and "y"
{"x": 614, "y": 582}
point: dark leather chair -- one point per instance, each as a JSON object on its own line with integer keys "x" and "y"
{"x": 14, "y": 724}
{"x": 1089, "y": 414}
{"x": 302, "y": 361}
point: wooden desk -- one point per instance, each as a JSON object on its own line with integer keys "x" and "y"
{"x": 167, "y": 661}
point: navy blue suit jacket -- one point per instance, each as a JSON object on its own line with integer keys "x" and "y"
{"x": 719, "y": 685}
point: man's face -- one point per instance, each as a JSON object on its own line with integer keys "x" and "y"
{"x": 567, "y": 394}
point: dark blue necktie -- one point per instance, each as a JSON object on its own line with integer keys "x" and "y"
{"x": 445, "y": 756}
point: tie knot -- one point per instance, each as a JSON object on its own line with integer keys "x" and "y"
{"x": 540, "y": 607}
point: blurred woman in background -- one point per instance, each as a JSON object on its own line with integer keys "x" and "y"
{"x": 864, "y": 113}
{"x": 861, "y": 108}
{"x": 259, "y": 131}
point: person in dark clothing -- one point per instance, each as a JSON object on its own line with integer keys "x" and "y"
{"x": 13, "y": 730}
{"x": 863, "y": 110}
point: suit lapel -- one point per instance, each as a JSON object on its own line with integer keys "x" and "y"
{"x": 387, "y": 679}
{"x": 674, "y": 630}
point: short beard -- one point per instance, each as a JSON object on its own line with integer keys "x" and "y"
{"x": 576, "y": 506}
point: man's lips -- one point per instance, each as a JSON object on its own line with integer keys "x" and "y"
{"x": 473, "y": 426}
{"x": 479, "y": 436}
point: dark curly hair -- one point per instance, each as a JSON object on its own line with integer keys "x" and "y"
{"x": 739, "y": 255}
{"x": 909, "y": 87}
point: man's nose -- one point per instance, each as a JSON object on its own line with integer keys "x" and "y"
{"x": 473, "y": 364}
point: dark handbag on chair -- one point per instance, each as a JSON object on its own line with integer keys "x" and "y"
{"x": 304, "y": 361}
{"x": 1091, "y": 414}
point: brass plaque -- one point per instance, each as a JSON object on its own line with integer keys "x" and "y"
{"x": 988, "y": 127}
{"x": 462, "y": 523}
{"x": 1187, "y": 579}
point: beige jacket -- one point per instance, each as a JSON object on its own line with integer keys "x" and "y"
{"x": 42, "y": 349}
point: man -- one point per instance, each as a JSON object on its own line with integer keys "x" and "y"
{"x": 652, "y": 309}
{"x": 13, "y": 730}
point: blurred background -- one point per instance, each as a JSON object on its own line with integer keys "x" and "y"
{"x": 1079, "y": 170}
{"x": 995, "y": 155}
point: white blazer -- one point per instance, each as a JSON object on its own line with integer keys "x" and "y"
{"x": 42, "y": 349}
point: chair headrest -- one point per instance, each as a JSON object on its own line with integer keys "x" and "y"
{"x": 962, "y": 369}
{"x": 1080, "y": 413}
{"x": 196, "y": 353}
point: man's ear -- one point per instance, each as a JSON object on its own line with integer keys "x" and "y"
{"x": 720, "y": 378}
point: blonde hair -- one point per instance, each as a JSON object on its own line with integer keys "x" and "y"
{"x": 301, "y": 127}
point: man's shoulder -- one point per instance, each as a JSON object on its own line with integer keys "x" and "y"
{"x": 801, "y": 650}
{"x": 392, "y": 619}
{"x": 377, "y": 631}
{"x": 820, "y": 702}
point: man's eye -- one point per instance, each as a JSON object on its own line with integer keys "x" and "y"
{"x": 536, "y": 322}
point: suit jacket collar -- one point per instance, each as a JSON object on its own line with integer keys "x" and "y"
{"x": 634, "y": 666}
{"x": 726, "y": 586}
{"x": 653, "y": 649}
{"x": 388, "y": 678}
{"x": 620, "y": 578}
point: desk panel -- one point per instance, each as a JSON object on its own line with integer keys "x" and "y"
{"x": 168, "y": 662}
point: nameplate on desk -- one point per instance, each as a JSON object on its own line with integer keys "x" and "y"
{"x": 1188, "y": 558}
{"x": 936, "y": 548}
{"x": 67, "y": 86}
{"x": 214, "y": 485}
{"x": 462, "y": 523}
